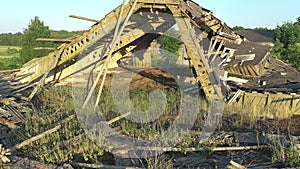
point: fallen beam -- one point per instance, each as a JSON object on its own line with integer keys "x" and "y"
{"x": 198, "y": 149}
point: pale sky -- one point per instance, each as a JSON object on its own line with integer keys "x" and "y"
{"x": 15, "y": 15}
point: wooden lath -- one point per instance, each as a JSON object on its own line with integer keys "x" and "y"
{"x": 83, "y": 18}
{"x": 54, "y": 40}
{"x": 194, "y": 51}
{"x": 246, "y": 71}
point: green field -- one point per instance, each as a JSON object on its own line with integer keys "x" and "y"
{"x": 8, "y": 56}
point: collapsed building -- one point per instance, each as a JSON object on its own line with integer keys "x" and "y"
{"x": 220, "y": 58}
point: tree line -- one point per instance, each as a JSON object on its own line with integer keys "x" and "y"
{"x": 10, "y": 39}
{"x": 238, "y": 28}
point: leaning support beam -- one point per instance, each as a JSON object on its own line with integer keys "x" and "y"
{"x": 83, "y": 18}
{"x": 236, "y": 95}
{"x": 42, "y": 81}
{"x": 116, "y": 38}
{"x": 54, "y": 40}
{"x": 195, "y": 53}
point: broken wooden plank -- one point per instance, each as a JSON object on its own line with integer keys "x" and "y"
{"x": 42, "y": 80}
{"x": 237, "y": 80}
{"x": 9, "y": 71}
{"x": 7, "y": 101}
{"x": 237, "y": 165}
{"x": 118, "y": 118}
{"x": 7, "y": 123}
{"x": 4, "y": 113}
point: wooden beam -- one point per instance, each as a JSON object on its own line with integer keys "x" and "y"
{"x": 8, "y": 123}
{"x": 237, "y": 165}
{"x": 83, "y": 18}
{"x": 44, "y": 48}
{"x": 233, "y": 98}
{"x": 54, "y": 40}
{"x": 198, "y": 149}
{"x": 118, "y": 118}
{"x": 218, "y": 50}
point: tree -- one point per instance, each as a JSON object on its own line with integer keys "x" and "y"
{"x": 9, "y": 39}
{"x": 36, "y": 29}
{"x": 237, "y": 28}
{"x": 287, "y": 42}
{"x": 261, "y": 28}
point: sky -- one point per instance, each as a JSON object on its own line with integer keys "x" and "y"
{"x": 15, "y": 15}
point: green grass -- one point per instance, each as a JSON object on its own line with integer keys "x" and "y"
{"x": 8, "y": 57}
{"x": 8, "y": 64}
{"x": 9, "y": 51}
{"x": 69, "y": 143}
